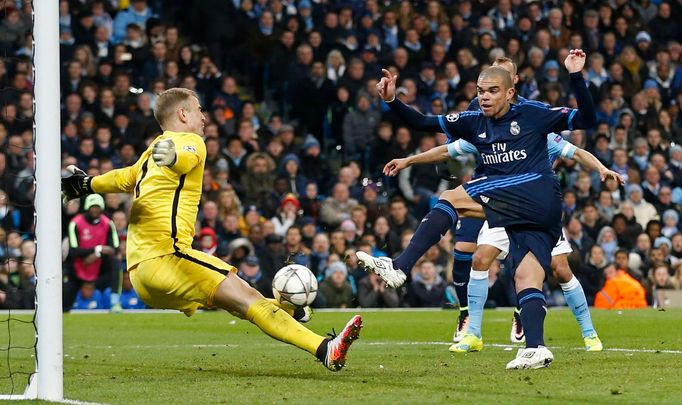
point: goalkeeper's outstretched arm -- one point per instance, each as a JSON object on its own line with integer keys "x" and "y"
{"x": 79, "y": 184}
{"x": 116, "y": 181}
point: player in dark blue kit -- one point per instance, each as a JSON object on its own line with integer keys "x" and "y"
{"x": 492, "y": 243}
{"x": 466, "y": 234}
{"x": 467, "y": 231}
{"x": 519, "y": 191}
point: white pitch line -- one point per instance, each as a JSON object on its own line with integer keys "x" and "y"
{"x": 19, "y": 397}
{"x": 509, "y": 346}
{"x": 376, "y": 343}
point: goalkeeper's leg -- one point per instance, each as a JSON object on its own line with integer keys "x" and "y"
{"x": 240, "y": 299}
{"x": 301, "y": 314}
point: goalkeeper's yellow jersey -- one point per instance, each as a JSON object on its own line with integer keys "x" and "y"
{"x": 165, "y": 199}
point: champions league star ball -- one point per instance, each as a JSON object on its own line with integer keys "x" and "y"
{"x": 295, "y": 284}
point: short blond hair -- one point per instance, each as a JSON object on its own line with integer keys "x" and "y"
{"x": 169, "y": 101}
{"x": 504, "y": 59}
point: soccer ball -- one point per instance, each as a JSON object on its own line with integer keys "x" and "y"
{"x": 295, "y": 284}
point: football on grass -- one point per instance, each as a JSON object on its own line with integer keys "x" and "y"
{"x": 295, "y": 284}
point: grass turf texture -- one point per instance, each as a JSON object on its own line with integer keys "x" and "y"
{"x": 402, "y": 357}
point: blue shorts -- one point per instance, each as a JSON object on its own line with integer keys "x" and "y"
{"x": 528, "y": 206}
{"x": 467, "y": 229}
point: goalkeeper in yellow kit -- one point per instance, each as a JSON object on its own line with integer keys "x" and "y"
{"x": 164, "y": 270}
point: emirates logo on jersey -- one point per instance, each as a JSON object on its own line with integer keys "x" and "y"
{"x": 514, "y": 128}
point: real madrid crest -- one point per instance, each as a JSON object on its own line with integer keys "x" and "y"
{"x": 514, "y": 128}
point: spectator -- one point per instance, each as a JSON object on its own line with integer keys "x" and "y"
{"x": 238, "y": 250}
{"x": 296, "y": 251}
{"x": 337, "y": 208}
{"x": 427, "y": 289}
{"x": 250, "y": 272}
{"x": 138, "y": 13}
{"x": 373, "y": 293}
{"x": 210, "y": 218}
{"x": 313, "y": 166}
{"x": 258, "y": 178}
{"x": 320, "y": 254}
{"x": 88, "y": 297}
{"x": 620, "y": 291}
{"x": 290, "y": 168}
{"x": 643, "y": 210}
{"x": 316, "y": 94}
{"x": 208, "y": 240}
{"x": 591, "y": 220}
{"x": 93, "y": 241}
{"x": 287, "y": 215}
{"x": 671, "y": 219}
{"x": 129, "y": 298}
{"x": 335, "y": 290}
{"x": 607, "y": 240}
{"x": 358, "y": 129}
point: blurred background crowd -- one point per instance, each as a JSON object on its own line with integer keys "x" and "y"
{"x": 296, "y": 135}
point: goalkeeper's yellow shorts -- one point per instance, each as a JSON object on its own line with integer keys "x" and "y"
{"x": 186, "y": 280}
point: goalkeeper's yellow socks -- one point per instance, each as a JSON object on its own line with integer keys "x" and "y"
{"x": 277, "y": 323}
{"x": 287, "y": 308}
{"x": 298, "y": 313}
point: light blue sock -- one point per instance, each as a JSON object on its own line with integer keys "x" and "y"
{"x": 575, "y": 298}
{"x": 478, "y": 294}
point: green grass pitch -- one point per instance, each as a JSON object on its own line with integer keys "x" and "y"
{"x": 401, "y": 358}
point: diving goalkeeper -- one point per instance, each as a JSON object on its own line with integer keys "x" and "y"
{"x": 164, "y": 270}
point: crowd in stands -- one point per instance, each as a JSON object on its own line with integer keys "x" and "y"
{"x": 296, "y": 135}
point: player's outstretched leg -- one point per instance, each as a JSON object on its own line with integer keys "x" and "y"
{"x": 576, "y": 300}
{"x": 301, "y": 314}
{"x": 335, "y": 357}
{"x": 434, "y": 225}
{"x": 382, "y": 267}
{"x": 237, "y": 297}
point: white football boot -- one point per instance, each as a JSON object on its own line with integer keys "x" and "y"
{"x": 382, "y": 267}
{"x": 531, "y": 357}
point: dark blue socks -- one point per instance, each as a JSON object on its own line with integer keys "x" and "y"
{"x": 533, "y": 311}
{"x": 460, "y": 276}
{"x": 434, "y": 225}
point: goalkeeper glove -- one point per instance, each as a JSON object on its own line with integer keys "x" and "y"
{"x": 75, "y": 186}
{"x": 163, "y": 153}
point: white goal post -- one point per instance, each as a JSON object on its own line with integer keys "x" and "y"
{"x": 48, "y": 381}
{"x": 50, "y": 359}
